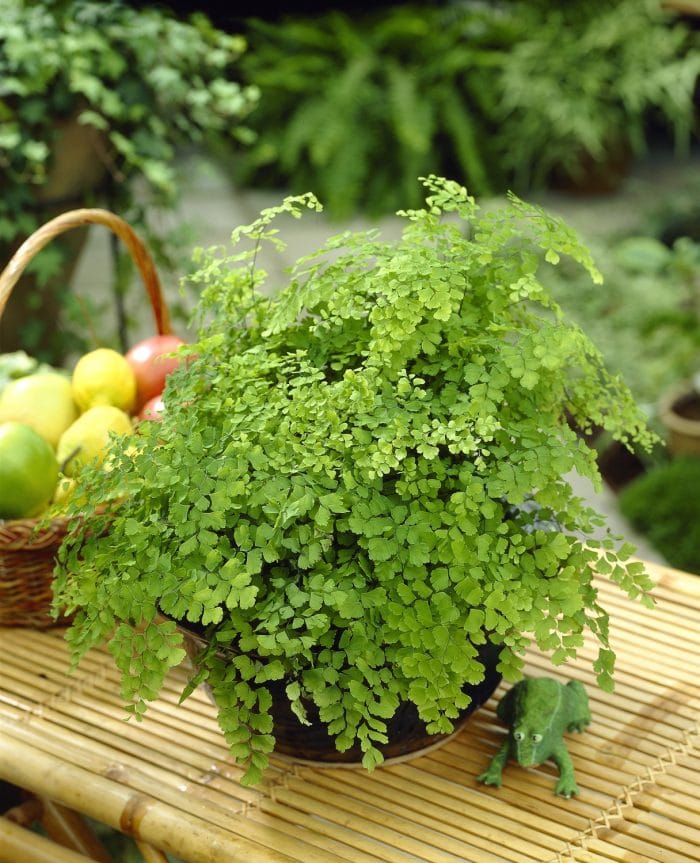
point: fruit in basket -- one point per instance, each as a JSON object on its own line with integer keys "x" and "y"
{"x": 28, "y": 471}
{"x": 64, "y": 489}
{"x": 16, "y": 364}
{"x": 104, "y": 377}
{"x": 152, "y": 410}
{"x": 43, "y": 401}
{"x": 151, "y": 365}
{"x": 89, "y": 437}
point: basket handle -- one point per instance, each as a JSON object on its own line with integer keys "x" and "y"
{"x": 77, "y": 219}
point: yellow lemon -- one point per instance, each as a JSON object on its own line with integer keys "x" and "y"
{"x": 66, "y": 493}
{"x": 104, "y": 377}
{"x": 64, "y": 489}
{"x": 43, "y": 401}
{"x": 89, "y": 437}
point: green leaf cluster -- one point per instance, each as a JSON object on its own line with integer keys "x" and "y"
{"x": 357, "y": 106}
{"x": 500, "y": 94}
{"x": 360, "y": 480}
{"x": 143, "y": 78}
{"x": 140, "y": 80}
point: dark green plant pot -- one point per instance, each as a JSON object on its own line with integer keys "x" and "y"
{"x": 407, "y": 733}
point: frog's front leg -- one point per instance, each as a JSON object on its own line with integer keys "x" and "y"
{"x": 579, "y": 711}
{"x": 492, "y": 776}
{"x": 566, "y": 786}
{"x": 578, "y": 724}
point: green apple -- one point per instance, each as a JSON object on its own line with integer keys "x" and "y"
{"x": 28, "y": 471}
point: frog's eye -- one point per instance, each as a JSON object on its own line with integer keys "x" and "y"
{"x": 536, "y": 738}
{"x": 518, "y": 735}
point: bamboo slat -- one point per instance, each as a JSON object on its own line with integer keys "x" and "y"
{"x": 151, "y": 854}
{"x": 70, "y": 830}
{"x": 19, "y": 844}
{"x": 170, "y": 782}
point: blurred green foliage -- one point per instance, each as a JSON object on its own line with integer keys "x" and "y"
{"x": 355, "y": 109}
{"x": 664, "y": 505}
{"x": 583, "y": 80}
{"x": 646, "y": 316}
{"x": 143, "y": 82}
{"x": 502, "y": 94}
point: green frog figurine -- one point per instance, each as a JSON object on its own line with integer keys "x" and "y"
{"x": 538, "y": 711}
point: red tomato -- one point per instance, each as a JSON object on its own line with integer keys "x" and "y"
{"x": 151, "y": 367}
{"x": 152, "y": 410}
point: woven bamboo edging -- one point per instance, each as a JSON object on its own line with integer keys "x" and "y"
{"x": 170, "y": 781}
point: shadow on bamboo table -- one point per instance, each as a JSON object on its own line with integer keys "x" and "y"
{"x": 170, "y": 783}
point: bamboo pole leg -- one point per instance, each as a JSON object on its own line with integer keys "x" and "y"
{"x": 26, "y": 813}
{"x": 19, "y": 844}
{"x": 151, "y": 854}
{"x": 69, "y": 829}
{"x": 145, "y": 818}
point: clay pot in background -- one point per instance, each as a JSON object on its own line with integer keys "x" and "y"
{"x": 679, "y": 412}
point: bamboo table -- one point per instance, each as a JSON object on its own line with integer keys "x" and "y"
{"x": 169, "y": 781}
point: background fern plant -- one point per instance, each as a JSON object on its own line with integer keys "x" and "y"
{"x": 351, "y": 486}
{"x": 584, "y": 81}
{"x": 357, "y": 108}
{"x": 500, "y": 94}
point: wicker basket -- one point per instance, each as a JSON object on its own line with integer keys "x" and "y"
{"x": 27, "y": 553}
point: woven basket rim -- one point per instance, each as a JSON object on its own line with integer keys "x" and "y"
{"x": 30, "y": 533}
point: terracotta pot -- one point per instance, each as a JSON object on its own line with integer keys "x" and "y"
{"x": 406, "y": 732}
{"x": 596, "y": 177}
{"x": 679, "y": 412}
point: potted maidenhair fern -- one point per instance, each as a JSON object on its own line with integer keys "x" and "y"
{"x": 356, "y": 502}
